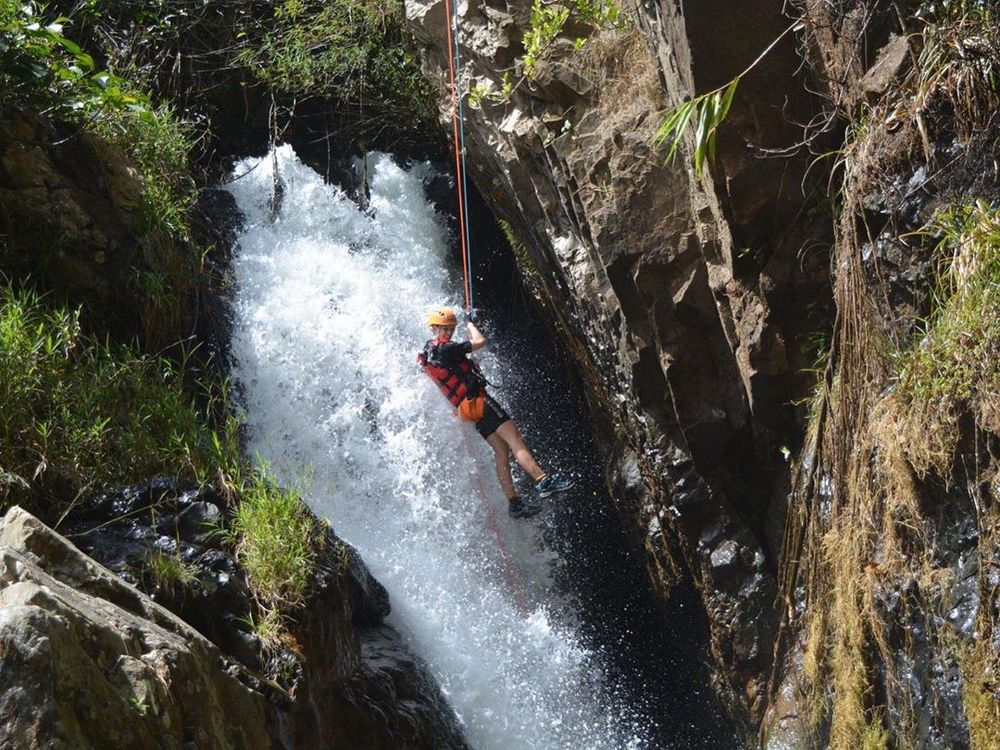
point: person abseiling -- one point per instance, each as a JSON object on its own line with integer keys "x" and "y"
{"x": 460, "y": 380}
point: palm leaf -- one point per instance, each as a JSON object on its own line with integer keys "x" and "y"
{"x": 708, "y": 111}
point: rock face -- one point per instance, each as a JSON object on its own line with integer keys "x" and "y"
{"x": 92, "y": 242}
{"x": 667, "y": 285}
{"x": 89, "y": 662}
{"x": 196, "y": 674}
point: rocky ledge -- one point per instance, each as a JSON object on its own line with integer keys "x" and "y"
{"x": 98, "y": 663}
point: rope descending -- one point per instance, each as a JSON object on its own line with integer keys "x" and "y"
{"x": 458, "y": 133}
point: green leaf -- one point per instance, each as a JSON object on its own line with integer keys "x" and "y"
{"x": 85, "y": 61}
{"x": 727, "y": 99}
{"x": 72, "y": 47}
{"x": 711, "y": 109}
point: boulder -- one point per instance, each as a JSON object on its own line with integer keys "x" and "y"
{"x": 87, "y": 661}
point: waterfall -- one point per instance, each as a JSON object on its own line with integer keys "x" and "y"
{"x": 329, "y": 304}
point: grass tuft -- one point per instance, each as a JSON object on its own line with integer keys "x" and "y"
{"x": 170, "y": 572}
{"x": 959, "y": 66}
{"x": 954, "y": 366}
{"x": 979, "y": 685}
{"x": 276, "y": 542}
{"x": 159, "y": 142}
{"x": 77, "y": 414}
{"x": 267, "y": 626}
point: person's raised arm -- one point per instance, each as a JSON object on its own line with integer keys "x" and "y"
{"x": 476, "y": 338}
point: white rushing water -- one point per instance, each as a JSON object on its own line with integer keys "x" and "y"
{"x": 329, "y": 310}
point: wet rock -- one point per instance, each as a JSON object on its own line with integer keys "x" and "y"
{"x": 724, "y": 555}
{"x": 322, "y": 692}
{"x": 369, "y": 598}
{"x": 88, "y": 661}
{"x": 787, "y": 725}
{"x": 396, "y": 687}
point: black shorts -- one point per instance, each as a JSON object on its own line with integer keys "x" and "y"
{"x": 493, "y": 417}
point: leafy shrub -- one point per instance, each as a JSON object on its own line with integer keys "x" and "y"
{"x": 354, "y": 51}
{"x": 549, "y": 19}
{"x": 42, "y": 67}
{"x": 77, "y": 414}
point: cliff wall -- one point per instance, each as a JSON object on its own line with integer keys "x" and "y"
{"x": 664, "y": 283}
{"x": 764, "y": 345}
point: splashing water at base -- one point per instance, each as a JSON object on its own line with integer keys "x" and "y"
{"x": 329, "y": 313}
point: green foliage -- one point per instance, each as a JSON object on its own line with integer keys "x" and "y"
{"x": 276, "y": 539}
{"x": 707, "y": 111}
{"x": 547, "y": 22}
{"x": 159, "y": 143}
{"x": 41, "y": 67}
{"x": 355, "y": 51}
{"x": 957, "y": 356}
{"x": 978, "y": 666}
{"x": 524, "y": 262}
{"x": 77, "y": 414}
{"x": 267, "y": 626}
{"x": 549, "y": 19}
{"x": 170, "y": 572}
{"x": 875, "y": 735}
{"x": 485, "y": 92}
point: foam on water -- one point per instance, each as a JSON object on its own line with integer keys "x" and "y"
{"x": 329, "y": 305}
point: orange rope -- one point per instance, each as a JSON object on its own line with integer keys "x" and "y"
{"x": 459, "y": 174}
{"x": 508, "y": 564}
{"x": 505, "y": 557}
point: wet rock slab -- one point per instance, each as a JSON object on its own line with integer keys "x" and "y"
{"x": 341, "y": 679}
{"x": 88, "y": 661}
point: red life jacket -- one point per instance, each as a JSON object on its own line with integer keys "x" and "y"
{"x": 456, "y": 380}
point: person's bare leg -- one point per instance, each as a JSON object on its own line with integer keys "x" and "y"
{"x": 510, "y": 435}
{"x": 502, "y": 454}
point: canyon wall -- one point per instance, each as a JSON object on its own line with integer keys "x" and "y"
{"x": 783, "y": 413}
{"x": 674, "y": 290}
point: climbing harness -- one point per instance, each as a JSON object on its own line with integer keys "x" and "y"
{"x": 458, "y": 131}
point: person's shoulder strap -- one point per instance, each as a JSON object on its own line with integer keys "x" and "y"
{"x": 452, "y": 351}
{"x": 455, "y": 349}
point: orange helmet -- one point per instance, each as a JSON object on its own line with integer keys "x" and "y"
{"x": 441, "y": 316}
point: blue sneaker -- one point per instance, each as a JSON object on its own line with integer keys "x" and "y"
{"x": 550, "y": 484}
